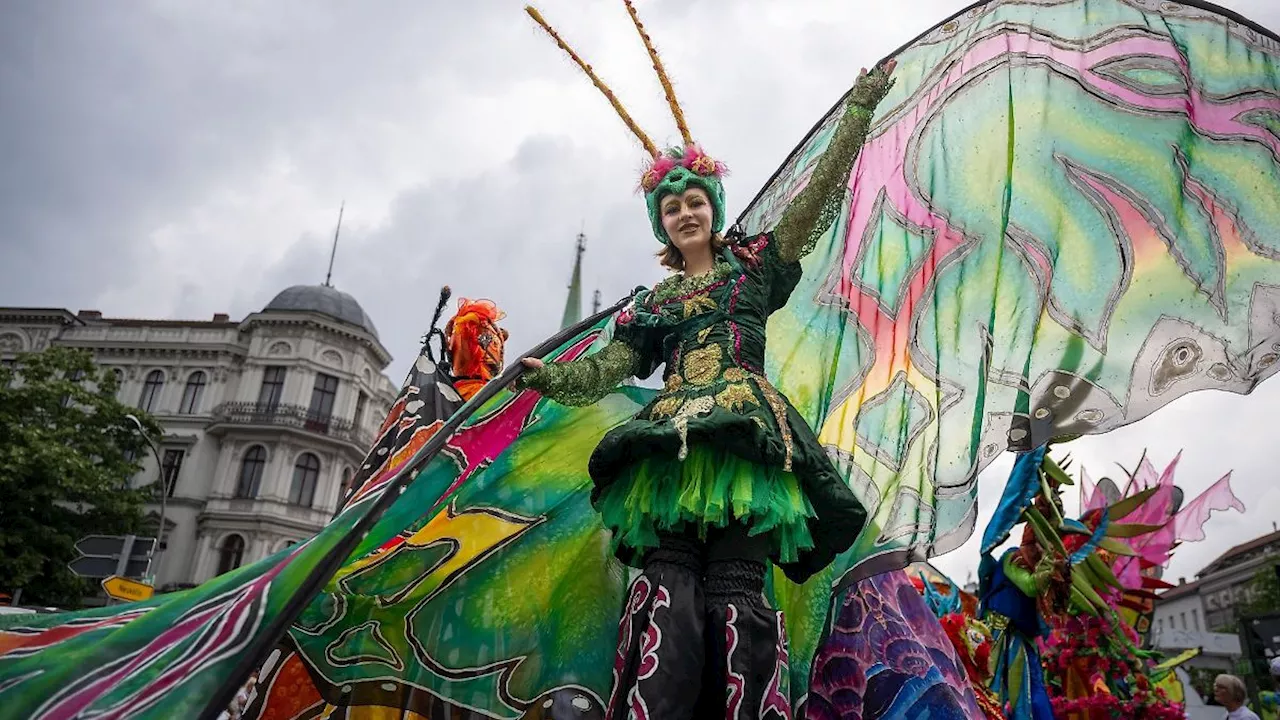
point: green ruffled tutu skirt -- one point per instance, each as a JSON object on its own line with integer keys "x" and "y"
{"x": 710, "y": 489}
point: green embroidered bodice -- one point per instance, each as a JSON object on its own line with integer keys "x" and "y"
{"x": 710, "y": 329}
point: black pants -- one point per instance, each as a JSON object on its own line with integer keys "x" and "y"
{"x": 697, "y": 638}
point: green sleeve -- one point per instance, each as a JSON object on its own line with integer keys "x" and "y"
{"x": 1021, "y": 577}
{"x": 584, "y": 381}
{"x": 811, "y": 213}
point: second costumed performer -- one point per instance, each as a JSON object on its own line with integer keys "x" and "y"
{"x": 719, "y": 475}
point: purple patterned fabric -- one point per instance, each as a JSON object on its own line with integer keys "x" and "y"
{"x": 888, "y": 658}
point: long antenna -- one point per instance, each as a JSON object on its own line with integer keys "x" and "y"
{"x": 663, "y": 78}
{"x": 333, "y": 252}
{"x": 595, "y": 80}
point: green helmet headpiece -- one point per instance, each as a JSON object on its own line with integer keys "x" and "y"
{"x": 674, "y": 172}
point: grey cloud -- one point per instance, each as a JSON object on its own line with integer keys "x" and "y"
{"x": 185, "y": 158}
{"x": 503, "y": 235}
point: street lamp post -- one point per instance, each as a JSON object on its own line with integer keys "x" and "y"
{"x": 164, "y": 492}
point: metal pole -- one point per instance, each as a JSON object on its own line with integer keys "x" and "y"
{"x": 126, "y": 552}
{"x": 122, "y": 565}
{"x": 164, "y": 496}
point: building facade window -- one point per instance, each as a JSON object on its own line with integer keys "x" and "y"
{"x": 75, "y": 376}
{"x": 151, "y": 390}
{"x": 345, "y": 489}
{"x": 231, "y": 554}
{"x": 1195, "y": 620}
{"x": 251, "y": 469}
{"x": 192, "y": 394}
{"x": 169, "y": 469}
{"x": 1160, "y": 625}
{"x": 1184, "y": 620}
{"x": 361, "y": 401}
{"x": 306, "y": 473}
{"x": 272, "y": 387}
{"x": 322, "y": 397}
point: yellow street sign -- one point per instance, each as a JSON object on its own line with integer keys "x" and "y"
{"x": 127, "y": 590}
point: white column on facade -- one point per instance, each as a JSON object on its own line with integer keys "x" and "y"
{"x": 297, "y": 388}
{"x": 250, "y": 384}
{"x": 178, "y": 568}
{"x": 226, "y": 470}
{"x": 167, "y": 402}
{"x": 279, "y": 471}
{"x": 205, "y": 563}
{"x": 256, "y": 548}
{"x": 327, "y": 494}
{"x": 176, "y": 375}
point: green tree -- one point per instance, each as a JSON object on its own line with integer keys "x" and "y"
{"x": 67, "y": 452}
{"x": 1263, "y": 593}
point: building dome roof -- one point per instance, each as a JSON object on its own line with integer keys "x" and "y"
{"x": 325, "y": 300}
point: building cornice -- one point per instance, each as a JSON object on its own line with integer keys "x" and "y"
{"x": 301, "y": 318}
{"x": 124, "y": 349}
{"x": 256, "y": 520}
{"x": 221, "y": 427}
{"x": 61, "y": 316}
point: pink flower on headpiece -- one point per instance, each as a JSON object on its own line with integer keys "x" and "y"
{"x": 658, "y": 170}
{"x": 701, "y": 163}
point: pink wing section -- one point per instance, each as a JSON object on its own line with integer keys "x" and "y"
{"x": 1189, "y": 524}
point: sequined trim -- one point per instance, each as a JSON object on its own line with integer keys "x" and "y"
{"x": 691, "y": 409}
{"x": 749, "y": 253}
{"x": 666, "y": 407}
{"x": 737, "y": 290}
{"x": 779, "y": 408}
{"x": 697, "y": 305}
{"x": 702, "y": 366}
{"x": 737, "y": 342}
{"x": 735, "y": 397}
{"x": 678, "y": 287}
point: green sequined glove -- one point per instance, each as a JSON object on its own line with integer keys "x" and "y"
{"x": 583, "y": 382}
{"x": 811, "y": 213}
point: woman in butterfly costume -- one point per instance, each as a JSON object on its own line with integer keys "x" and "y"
{"x": 719, "y": 474}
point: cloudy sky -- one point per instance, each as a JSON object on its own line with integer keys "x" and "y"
{"x": 177, "y": 159}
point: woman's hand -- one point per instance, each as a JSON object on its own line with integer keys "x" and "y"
{"x": 531, "y": 363}
{"x": 873, "y": 86}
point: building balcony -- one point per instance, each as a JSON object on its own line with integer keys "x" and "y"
{"x": 306, "y": 518}
{"x": 294, "y": 417}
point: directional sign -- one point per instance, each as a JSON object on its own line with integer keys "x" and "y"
{"x": 127, "y": 590}
{"x": 106, "y": 545}
{"x": 101, "y": 567}
{"x": 102, "y": 556}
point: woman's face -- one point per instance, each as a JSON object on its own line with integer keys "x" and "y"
{"x": 1221, "y": 693}
{"x": 687, "y": 219}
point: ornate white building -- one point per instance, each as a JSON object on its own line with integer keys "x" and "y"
{"x": 264, "y": 419}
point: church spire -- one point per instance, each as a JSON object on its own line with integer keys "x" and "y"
{"x": 573, "y": 304}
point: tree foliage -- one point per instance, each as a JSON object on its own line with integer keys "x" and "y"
{"x": 1263, "y": 595}
{"x": 67, "y": 453}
